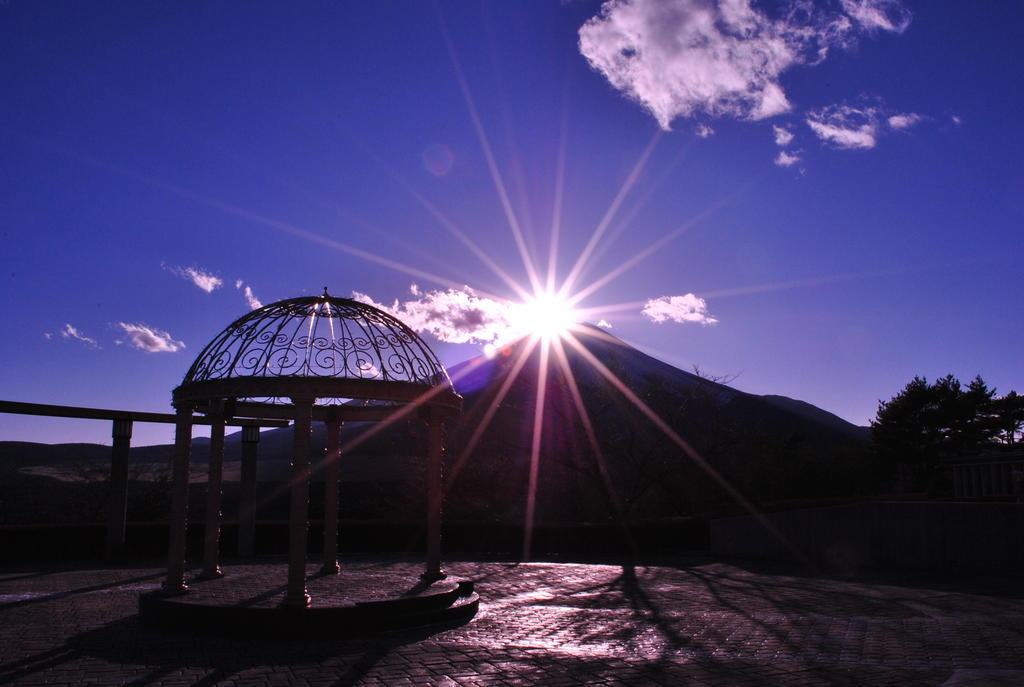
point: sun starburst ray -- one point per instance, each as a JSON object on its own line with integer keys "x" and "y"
{"x": 556, "y": 206}
{"x": 492, "y": 408}
{"x": 538, "y": 432}
{"x": 471, "y": 245}
{"x": 610, "y": 308}
{"x": 402, "y": 413}
{"x": 687, "y": 449}
{"x": 649, "y": 250}
{"x": 611, "y": 492}
{"x": 448, "y": 224}
{"x": 626, "y": 219}
{"x": 492, "y": 165}
{"x": 238, "y": 211}
{"x": 609, "y": 214}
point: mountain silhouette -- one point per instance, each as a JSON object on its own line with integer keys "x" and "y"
{"x": 768, "y": 447}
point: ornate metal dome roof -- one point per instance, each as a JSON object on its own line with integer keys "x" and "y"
{"x": 339, "y": 347}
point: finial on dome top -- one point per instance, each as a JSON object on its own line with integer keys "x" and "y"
{"x": 326, "y": 295}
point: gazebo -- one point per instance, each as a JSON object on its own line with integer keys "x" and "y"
{"x": 308, "y": 359}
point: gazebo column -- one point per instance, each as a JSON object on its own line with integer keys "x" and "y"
{"x": 298, "y": 521}
{"x": 117, "y": 503}
{"x": 435, "y": 453}
{"x": 175, "y": 582}
{"x": 247, "y": 505}
{"x": 214, "y": 491}
{"x": 332, "y": 465}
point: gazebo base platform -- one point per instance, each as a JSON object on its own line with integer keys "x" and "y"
{"x": 361, "y": 599}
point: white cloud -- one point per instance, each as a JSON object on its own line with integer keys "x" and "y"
{"x": 251, "y": 299}
{"x": 204, "y": 280}
{"x": 686, "y": 308}
{"x": 604, "y": 324}
{"x": 874, "y": 15}
{"x": 785, "y": 159}
{"x": 956, "y": 119}
{"x": 47, "y": 335}
{"x": 453, "y": 315}
{"x": 783, "y": 136}
{"x": 703, "y": 130}
{"x": 364, "y": 298}
{"x": 904, "y": 121}
{"x": 844, "y": 126}
{"x": 149, "y": 339}
{"x": 71, "y": 333}
{"x": 722, "y": 58}
{"x": 847, "y": 126}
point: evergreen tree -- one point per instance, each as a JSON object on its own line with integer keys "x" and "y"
{"x": 1008, "y": 418}
{"x": 904, "y": 429}
{"x": 976, "y": 418}
{"x": 925, "y": 425}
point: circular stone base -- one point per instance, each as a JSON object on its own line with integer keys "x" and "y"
{"x": 362, "y": 598}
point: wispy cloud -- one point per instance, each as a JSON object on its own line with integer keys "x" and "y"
{"x": 785, "y": 159}
{"x": 703, "y": 130}
{"x": 783, "y": 136}
{"x": 845, "y": 126}
{"x": 686, "y": 308}
{"x": 250, "y": 297}
{"x": 904, "y": 121}
{"x": 852, "y": 127}
{"x": 878, "y": 15}
{"x": 452, "y": 315}
{"x": 201, "y": 278}
{"x": 149, "y": 339}
{"x": 71, "y": 333}
{"x": 722, "y": 58}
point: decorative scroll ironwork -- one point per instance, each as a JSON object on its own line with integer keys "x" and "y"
{"x": 319, "y": 336}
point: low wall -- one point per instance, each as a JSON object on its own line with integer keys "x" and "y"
{"x": 986, "y": 537}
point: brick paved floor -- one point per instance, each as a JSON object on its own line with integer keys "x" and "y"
{"x": 690, "y": 621}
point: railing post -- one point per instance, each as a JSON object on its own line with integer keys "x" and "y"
{"x": 117, "y": 502}
{"x": 247, "y": 507}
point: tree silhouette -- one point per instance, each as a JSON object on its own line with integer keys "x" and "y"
{"x": 926, "y": 425}
{"x": 1009, "y": 417}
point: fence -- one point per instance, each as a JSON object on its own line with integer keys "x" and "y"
{"x": 122, "y": 422}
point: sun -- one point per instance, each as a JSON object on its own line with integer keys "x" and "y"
{"x": 546, "y": 316}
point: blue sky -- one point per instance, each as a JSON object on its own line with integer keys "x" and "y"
{"x": 843, "y": 189}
